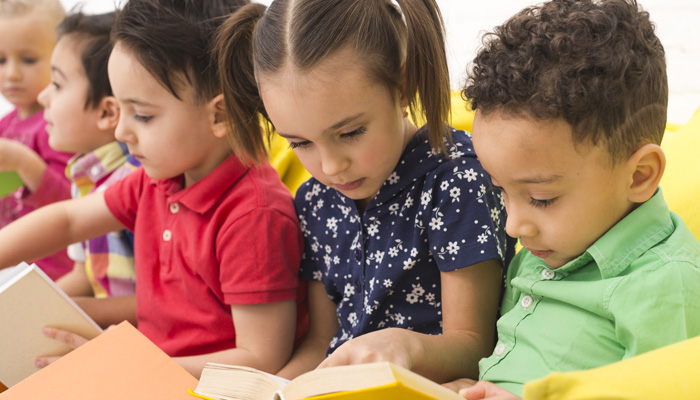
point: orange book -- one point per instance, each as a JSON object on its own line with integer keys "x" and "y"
{"x": 119, "y": 364}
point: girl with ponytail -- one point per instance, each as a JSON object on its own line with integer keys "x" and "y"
{"x": 404, "y": 247}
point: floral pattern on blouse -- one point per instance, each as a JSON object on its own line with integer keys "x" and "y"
{"x": 382, "y": 267}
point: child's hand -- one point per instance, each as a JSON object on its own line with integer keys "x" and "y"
{"x": 391, "y": 344}
{"x": 487, "y": 390}
{"x": 9, "y": 149}
{"x": 69, "y": 338}
{"x": 459, "y": 384}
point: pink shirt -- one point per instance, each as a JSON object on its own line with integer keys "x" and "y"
{"x": 231, "y": 238}
{"x": 54, "y": 185}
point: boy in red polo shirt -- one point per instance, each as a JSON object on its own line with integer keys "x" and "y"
{"x": 217, "y": 242}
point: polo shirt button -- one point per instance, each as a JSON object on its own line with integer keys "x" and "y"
{"x": 547, "y": 274}
{"x": 358, "y": 255}
{"x": 526, "y": 301}
{"x": 500, "y": 349}
{"x": 167, "y": 235}
{"x": 174, "y": 208}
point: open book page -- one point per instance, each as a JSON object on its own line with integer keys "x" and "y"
{"x": 219, "y": 381}
{"x": 30, "y": 300}
{"x": 365, "y": 381}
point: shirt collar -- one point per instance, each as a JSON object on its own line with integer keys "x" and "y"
{"x": 417, "y": 160}
{"x": 626, "y": 241}
{"x": 204, "y": 194}
{"x": 98, "y": 164}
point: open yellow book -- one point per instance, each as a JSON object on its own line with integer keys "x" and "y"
{"x": 376, "y": 381}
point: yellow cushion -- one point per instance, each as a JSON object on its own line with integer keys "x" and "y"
{"x": 462, "y": 116}
{"x": 666, "y": 373}
{"x": 681, "y": 180}
{"x": 288, "y": 166}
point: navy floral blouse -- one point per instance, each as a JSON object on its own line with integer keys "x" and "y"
{"x": 382, "y": 267}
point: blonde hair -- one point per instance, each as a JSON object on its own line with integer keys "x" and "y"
{"x": 53, "y": 9}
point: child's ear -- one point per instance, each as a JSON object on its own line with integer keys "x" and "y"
{"x": 217, "y": 116}
{"x": 108, "y": 113}
{"x": 647, "y": 165}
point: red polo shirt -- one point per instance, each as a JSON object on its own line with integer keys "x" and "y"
{"x": 231, "y": 238}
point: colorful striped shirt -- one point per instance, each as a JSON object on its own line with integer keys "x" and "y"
{"x": 109, "y": 259}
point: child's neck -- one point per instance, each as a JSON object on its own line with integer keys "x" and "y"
{"x": 28, "y": 111}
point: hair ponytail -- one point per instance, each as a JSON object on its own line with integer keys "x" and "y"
{"x": 426, "y": 68}
{"x": 233, "y": 52}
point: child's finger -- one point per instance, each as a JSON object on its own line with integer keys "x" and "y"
{"x": 69, "y": 338}
{"x": 41, "y": 362}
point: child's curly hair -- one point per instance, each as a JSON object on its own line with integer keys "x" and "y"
{"x": 596, "y": 64}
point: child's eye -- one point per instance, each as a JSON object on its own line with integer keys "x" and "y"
{"x": 299, "y": 145}
{"x": 354, "y": 134}
{"x": 142, "y": 118}
{"x": 542, "y": 203}
{"x": 2, "y": 61}
{"x": 56, "y": 85}
{"x": 29, "y": 60}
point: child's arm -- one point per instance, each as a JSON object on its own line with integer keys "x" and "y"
{"x": 53, "y": 227}
{"x": 323, "y": 324}
{"x": 109, "y": 311}
{"x": 470, "y": 299}
{"x": 15, "y": 156}
{"x": 76, "y": 283}
{"x": 264, "y": 338}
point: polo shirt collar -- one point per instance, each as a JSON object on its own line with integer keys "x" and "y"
{"x": 626, "y": 241}
{"x": 204, "y": 194}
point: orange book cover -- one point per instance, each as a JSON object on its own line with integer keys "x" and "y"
{"x": 119, "y": 364}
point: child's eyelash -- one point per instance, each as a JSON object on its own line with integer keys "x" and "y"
{"x": 297, "y": 145}
{"x": 354, "y": 134}
{"x": 142, "y": 118}
{"x": 542, "y": 203}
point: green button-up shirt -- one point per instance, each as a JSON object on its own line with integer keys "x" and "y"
{"x": 635, "y": 289}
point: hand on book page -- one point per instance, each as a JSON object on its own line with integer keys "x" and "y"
{"x": 391, "y": 344}
{"x": 382, "y": 380}
{"x": 70, "y": 339}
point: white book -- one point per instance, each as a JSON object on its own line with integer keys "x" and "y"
{"x": 29, "y": 301}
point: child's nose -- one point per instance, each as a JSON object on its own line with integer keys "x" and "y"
{"x": 517, "y": 223}
{"x": 13, "y": 71}
{"x": 333, "y": 163}
{"x": 44, "y": 97}
{"x": 122, "y": 132}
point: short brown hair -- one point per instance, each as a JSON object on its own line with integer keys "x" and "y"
{"x": 51, "y": 8}
{"x": 596, "y": 64}
{"x": 302, "y": 33}
{"x": 171, "y": 37}
{"x": 93, "y": 34}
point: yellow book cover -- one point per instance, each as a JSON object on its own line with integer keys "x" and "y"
{"x": 29, "y": 301}
{"x": 375, "y": 381}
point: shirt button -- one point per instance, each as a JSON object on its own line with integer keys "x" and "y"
{"x": 547, "y": 274}
{"x": 526, "y": 301}
{"x": 500, "y": 349}
{"x": 358, "y": 255}
{"x": 167, "y": 235}
{"x": 174, "y": 208}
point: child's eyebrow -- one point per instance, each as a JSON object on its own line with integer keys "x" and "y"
{"x": 57, "y": 71}
{"x": 334, "y": 127}
{"x": 539, "y": 179}
{"x": 137, "y": 102}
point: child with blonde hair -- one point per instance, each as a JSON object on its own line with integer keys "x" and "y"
{"x": 404, "y": 246}
{"x": 217, "y": 243}
{"x": 27, "y": 38}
